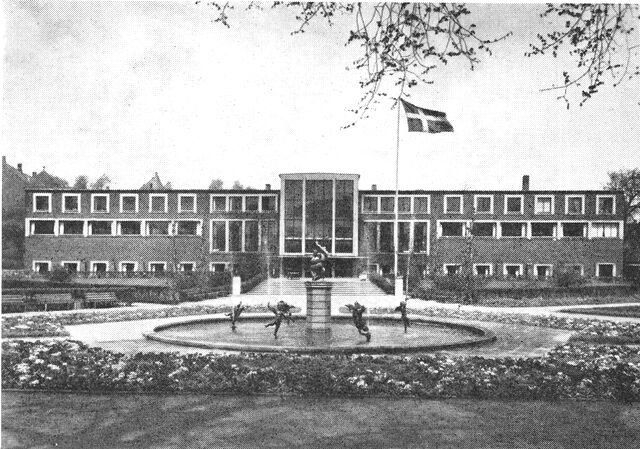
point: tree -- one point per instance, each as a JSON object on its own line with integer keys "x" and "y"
{"x": 216, "y": 184}
{"x": 82, "y": 182}
{"x": 102, "y": 183}
{"x": 237, "y": 186}
{"x": 627, "y": 181}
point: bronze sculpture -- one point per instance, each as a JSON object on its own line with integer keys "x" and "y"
{"x": 282, "y": 311}
{"x": 402, "y": 308}
{"x": 357, "y": 310}
{"x": 235, "y": 314}
{"x": 318, "y": 262}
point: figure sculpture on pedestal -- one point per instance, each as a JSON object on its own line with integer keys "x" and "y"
{"x": 235, "y": 314}
{"x": 282, "y": 311}
{"x": 402, "y": 308}
{"x": 318, "y": 262}
{"x": 357, "y": 310}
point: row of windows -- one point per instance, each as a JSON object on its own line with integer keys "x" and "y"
{"x": 517, "y": 269}
{"x": 484, "y": 204}
{"x": 158, "y": 203}
{"x": 43, "y": 266}
{"x": 529, "y": 229}
{"x": 114, "y": 227}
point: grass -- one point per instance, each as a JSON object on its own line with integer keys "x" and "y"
{"x": 622, "y": 311}
{"x": 558, "y": 301}
{"x": 194, "y": 421}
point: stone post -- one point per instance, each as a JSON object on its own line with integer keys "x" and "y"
{"x": 318, "y": 307}
{"x": 399, "y": 288}
{"x": 236, "y": 286}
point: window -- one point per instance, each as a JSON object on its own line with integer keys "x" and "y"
{"x": 235, "y": 203}
{"x": 483, "y": 229}
{"x": 452, "y": 229}
{"x": 128, "y": 267}
{"x": 218, "y": 267}
{"x": 421, "y": 205}
{"x": 186, "y": 203}
{"x": 251, "y": 203}
{"x": 574, "y": 230}
{"x": 574, "y": 205}
{"x": 158, "y": 203}
{"x": 386, "y": 237}
{"x": 71, "y": 267}
{"x": 129, "y": 227}
{"x": 404, "y": 233}
{"x": 268, "y": 203}
{"x": 483, "y": 204}
{"x": 404, "y": 204}
{"x": 188, "y": 227}
{"x": 99, "y": 203}
{"x": 235, "y": 235}
{"x": 453, "y": 204}
{"x": 512, "y": 270}
{"x": 451, "y": 269}
{"x": 41, "y": 266}
{"x": 128, "y": 203}
{"x": 188, "y": 267}
{"x": 157, "y": 267}
{"x": 42, "y": 202}
{"x": 41, "y": 227}
{"x": 543, "y": 271}
{"x": 99, "y": 267}
{"x": 605, "y": 230}
{"x": 544, "y": 205}
{"x": 420, "y": 237}
{"x": 99, "y": 228}
{"x": 386, "y": 204}
{"x": 605, "y": 270}
{"x": 512, "y": 229}
{"x": 70, "y": 202}
{"x": 218, "y": 236}
{"x": 71, "y": 227}
{"x": 605, "y": 205}
{"x": 482, "y": 269}
{"x": 543, "y": 229}
{"x": 513, "y": 205}
{"x": 218, "y": 203}
{"x": 251, "y": 235}
{"x": 370, "y": 204}
{"x": 156, "y": 227}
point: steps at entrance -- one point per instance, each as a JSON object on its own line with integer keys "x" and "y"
{"x": 341, "y": 287}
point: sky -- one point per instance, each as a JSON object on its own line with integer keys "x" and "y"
{"x": 133, "y": 88}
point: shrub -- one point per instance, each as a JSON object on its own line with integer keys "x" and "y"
{"x": 59, "y": 275}
{"x": 568, "y": 279}
{"x": 382, "y": 282}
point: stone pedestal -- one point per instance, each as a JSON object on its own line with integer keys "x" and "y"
{"x": 318, "y": 307}
{"x": 399, "y": 288}
{"x": 236, "y": 285}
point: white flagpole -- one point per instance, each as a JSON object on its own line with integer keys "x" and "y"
{"x": 396, "y": 240}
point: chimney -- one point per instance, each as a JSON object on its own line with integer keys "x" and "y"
{"x": 33, "y": 174}
{"x": 525, "y": 183}
{"x": 267, "y": 186}
{"x": 20, "y": 167}
{"x": 4, "y": 160}
{"x": 374, "y": 186}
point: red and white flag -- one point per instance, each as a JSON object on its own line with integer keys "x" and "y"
{"x": 426, "y": 120}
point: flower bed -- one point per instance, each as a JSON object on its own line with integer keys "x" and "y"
{"x": 571, "y": 371}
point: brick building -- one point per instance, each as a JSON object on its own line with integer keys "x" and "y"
{"x": 511, "y": 233}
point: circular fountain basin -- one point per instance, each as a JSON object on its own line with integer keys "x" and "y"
{"x": 388, "y": 335}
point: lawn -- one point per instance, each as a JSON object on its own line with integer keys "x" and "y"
{"x": 622, "y": 311}
{"x": 556, "y": 301}
{"x": 196, "y": 421}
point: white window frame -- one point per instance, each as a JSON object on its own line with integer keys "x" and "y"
{"x": 613, "y": 272}
{"x": 78, "y": 197}
{"x": 523, "y": 234}
{"x": 475, "y": 204}
{"x": 49, "y": 208}
{"x": 377, "y": 200}
{"x": 591, "y": 229}
{"x": 599, "y": 197}
{"x": 506, "y": 201}
{"x": 413, "y": 206}
{"x": 242, "y": 203}
{"x": 535, "y": 204}
{"x": 504, "y": 269}
{"x": 548, "y": 265}
{"x": 469, "y": 230}
{"x": 90, "y": 228}
{"x": 157, "y": 262}
{"x": 77, "y": 262}
{"x": 93, "y": 203}
{"x": 93, "y": 262}
{"x": 556, "y": 229}
{"x": 32, "y": 225}
{"x": 226, "y": 203}
{"x": 226, "y": 265}
{"x": 33, "y": 265}
{"x": 136, "y": 196}
{"x": 446, "y": 198}
{"x": 60, "y": 229}
{"x": 195, "y": 203}
{"x": 566, "y": 204}
{"x": 275, "y": 203}
{"x": 226, "y": 236}
{"x": 439, "y": 229}
{"x": 142, "y": 228}
{"x": 410, "y": 197}
{"x": 180, "y": 265}
{"x": 174, "y": 225}
{"x": 476, "y": 265}
{"x": 121, "y": 269}
{"x": 445, "y": 265}
{"x": 380, "y": 211}
{"x": 159, "y": 195}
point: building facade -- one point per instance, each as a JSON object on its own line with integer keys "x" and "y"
{"x": 502, "y": 233}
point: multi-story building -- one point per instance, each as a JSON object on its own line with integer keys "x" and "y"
{"x": 506, "y": 232}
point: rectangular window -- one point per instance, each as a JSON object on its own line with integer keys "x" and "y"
{"x": 605, "y": 205}
{"x": 129, "y": 203}
{"x": 453, "y": 204}
{"x": 370, "y": 204}
{"x": 512, "y": 270}
{"x": 71, "y": 267}
{"x": 513, "y": 205}
{"x": 42, "y": 202}
{"x": 235, "y": 203}
{"x": 543, "y": 271}
{"x": 218, "y": 267}
{"x": 483, "y": 270}
{"x": 158, "y": 203}
{"x": 370, "y": 238}
{"x": 421, "y": 205}
{"x": 251, "y": 203}
{"x": 574, "y": 229}
{"x": 157, "y": 267}
{"x": 483, "y": 229}
{"x": 575, "y": 204}
{"x": 451, "y": 269}
{"x": 99, "y": 228}
{"x": 235, "y": 235}
{"x": 187, "y": 267}
{"x": 42, "y": 227}
{"x": 386, "y": 237}
{"x": 420, "y": 237}
{"x": 544, "y": 205}
{"x": 128, "y": 267}
{"x": 605, "y": 270}
{"x": 71, "y": 227}
{"x": 484, "y": 204}
{"x": 251, "y": 235}
{"x": 99, "y": 267}
{"x": 218, "y": 203}
{"x": 452, "y": 229}
{"x": 512, "y": 229}
{"x": 386, "y": 204}
{"x": 129, "y": 227}
{"x": 404, "y": 204}
{"x": 186, "y": 203}
{"x": 99, "y": 203}
{"x": 41, "y": 266}
{"x": 605, "y": 230}
{"x": 543, "y": 229}
{"x": 404, "y": 233}
{"x": 187, "y": 227}
{"x": 157, "y": 227}
{"x": 268, "y": 203}
{"x": 71, "y": 202}
{"x": 218, "y": 236}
